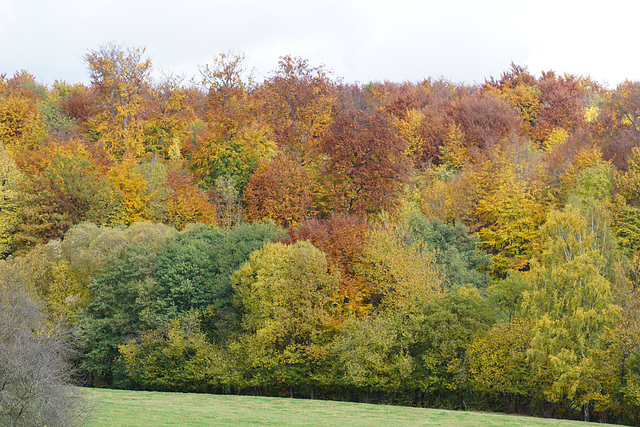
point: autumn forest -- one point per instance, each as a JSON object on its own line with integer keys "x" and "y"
{"x": 429, "y": 244}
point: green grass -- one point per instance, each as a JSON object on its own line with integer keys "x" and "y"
{"x": 136, "y": 408}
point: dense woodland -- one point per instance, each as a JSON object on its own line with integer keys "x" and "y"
{"x": 432, "y": 244}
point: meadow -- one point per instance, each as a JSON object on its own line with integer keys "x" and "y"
{"x": 138, "y": 408}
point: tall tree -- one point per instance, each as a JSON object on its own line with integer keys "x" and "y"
{"x": 9, "y": 201}
{"x": 233, "y": 140}
{"x": 285, "y": 293}
{"x": 367, "y": 163}
{"x": 299, "y": 99}
{"x": 120, "y": 77}
{"x": 572, "y": 303}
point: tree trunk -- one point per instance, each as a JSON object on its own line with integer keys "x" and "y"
{"x": 585, "y": 412}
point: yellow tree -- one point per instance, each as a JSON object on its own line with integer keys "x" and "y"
{"x": 285, "y": 293}
{"x": 131, "y": 193}
{"x": 22, "y": 129}
{"x": 9, "y": 201}
{"x": 233, "y": 141}
{"x": 401, "y": 274}
{"x": 572, "y": 303}
{"x": 119, "y": 78}
{"x": 169, "y": 113}
{"x": 511, "y": 207}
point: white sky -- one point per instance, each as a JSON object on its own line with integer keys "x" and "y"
{"x": 359, "y": 40}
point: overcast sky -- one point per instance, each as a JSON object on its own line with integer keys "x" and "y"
{"x": 359, "y": 40}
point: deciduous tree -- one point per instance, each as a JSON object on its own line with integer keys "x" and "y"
{"x": 285, "y": 292}
{"x": 120, "y": 77}
{"x": 367, "y": 163}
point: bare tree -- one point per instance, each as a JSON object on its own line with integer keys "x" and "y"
{"x": 35, "y": 376}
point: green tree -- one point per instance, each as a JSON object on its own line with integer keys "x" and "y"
{"x": 444, "y": 331}
{"x": 371, "y": 355}
{"x": 572, "y": 303}
{"x": 456, "y": 252}
{"x": 284, "y": 292}
{"x": 125, "y": 300}
{"x": 178, "y": 356}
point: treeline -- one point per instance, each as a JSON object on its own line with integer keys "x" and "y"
{"x": 427, "y": 243}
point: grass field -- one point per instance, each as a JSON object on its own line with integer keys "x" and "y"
{"x": 135, "y": 408}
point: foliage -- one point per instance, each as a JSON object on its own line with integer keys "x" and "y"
{"x": 446, "y": 329}
{"x": 186, "y": 204}
{"x": 10, "y": 178}
{"x": 34, "y": 370}
{"x": 280, "y": 190}
{"x": 284, "y": 292}
{"x": 499, "y": 368}
{"x": 342, "y": 238}
{"x": 125, "y": 299}
{"x": 572, "y": 303}
{"x": 456, "y": 251}
{"x": 176, "y": 357}
{"x": 405, "y": 206}
{"x": 119, "y": 77}
{"x": 69, "y": 191}
{"x": 367, "y": 162}
{"x": 401, "y": 274}
{"x": 298, "y": 99}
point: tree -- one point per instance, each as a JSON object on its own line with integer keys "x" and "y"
{"x": 228, "y": 202}
{"x": 119, "y": 76}
{"x": 572, "y": 303}
{"x": 367, "y": 163}
{"x": 234, "y": 139}
{"x": 284, "y": 292}
{"x": 34, "y": 364}
{"x": 618, "y": 124}
{"x": 9, "y": 201}
{"x": 187, "y": 270}
{"x": 485, "y": 119}
{"x": 623, "y": 105}
{"x": 187, "y": 204}
{"x": 280, "y": 190}
{"x": 372, "y": 355}
{"x": 165, "y": 130}
{"x": 298, "y": 99}
{"x": 22, "y": 129}
{"x": 626, "y": 212}
{"x": 69, "y": 191}
{"x": 401, "y": 274}
{"x": 562, "y": 105}
{"x": 178, "y": 356}
{"x": 445, "y": 329}
{"x": 124, "y": 301}
{"x": 511, "y": 207}
{"x": 342, "y": 238}
{"x": 456, "y": 252}
{"x": 500, "y": 370}
{"x": 131, "y": 195}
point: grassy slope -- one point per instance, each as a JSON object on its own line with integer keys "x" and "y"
{"x": 130, "y": 408}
